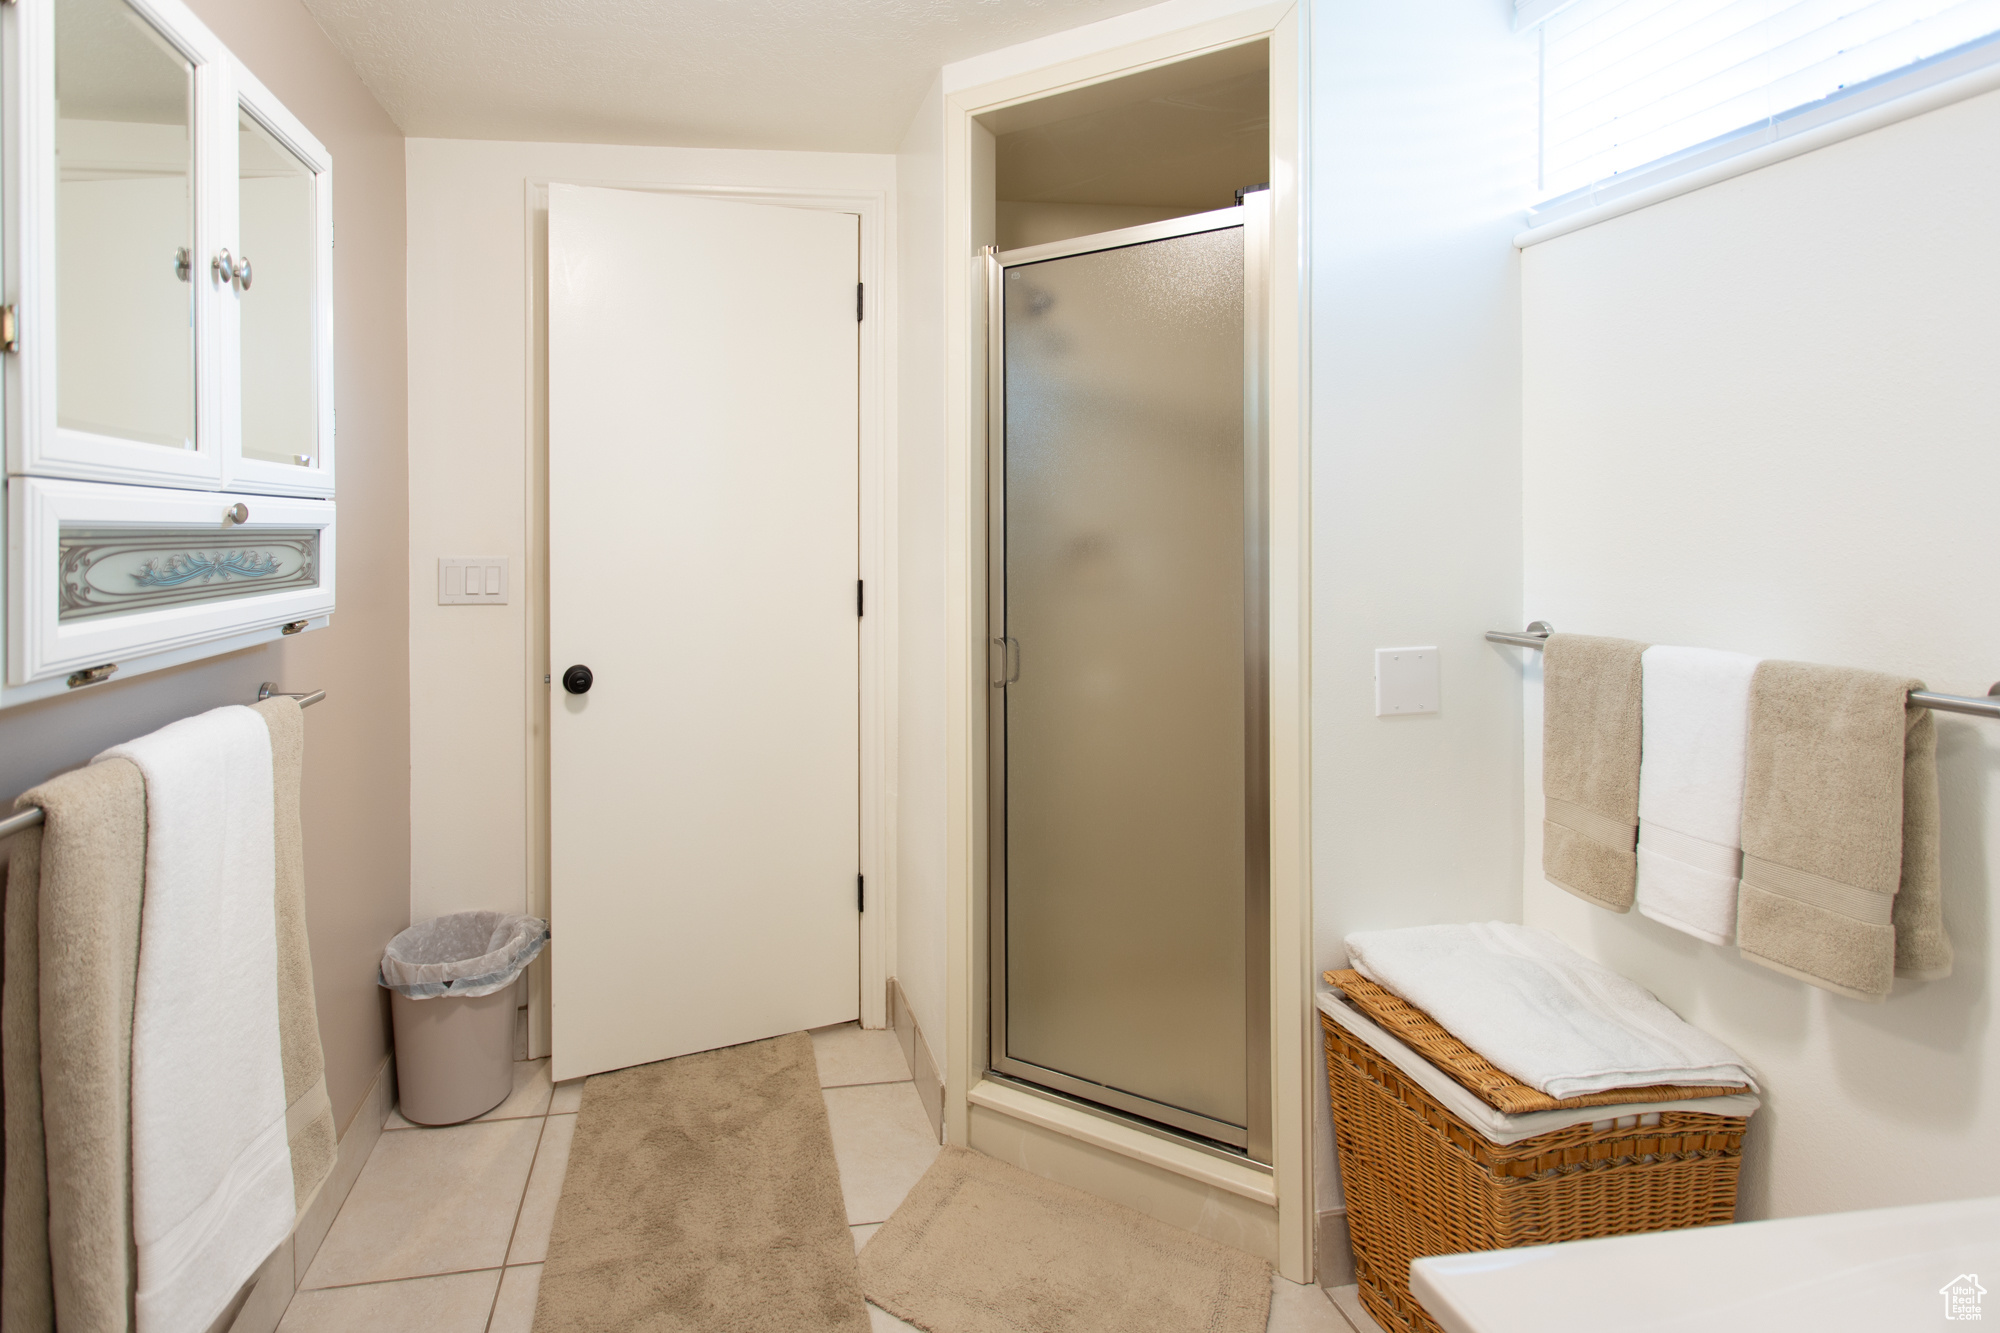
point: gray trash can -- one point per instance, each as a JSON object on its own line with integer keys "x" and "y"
{"x": 450, "y": 987}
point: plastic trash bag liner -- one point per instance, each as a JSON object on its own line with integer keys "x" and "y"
{"x": 466, "y": 953}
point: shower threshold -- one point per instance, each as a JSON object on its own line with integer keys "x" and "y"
{"x": 1096, "y": 1101}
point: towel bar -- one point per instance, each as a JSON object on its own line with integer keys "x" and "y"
{"x": 1538, "y": 632}
{"x": 33, "y": 815}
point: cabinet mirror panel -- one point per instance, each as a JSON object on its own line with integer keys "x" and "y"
{"x": 277, "y": 226}
{"x": 124, "y": 228}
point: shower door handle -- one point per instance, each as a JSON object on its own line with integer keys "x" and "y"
{"x": 1008, "y": 658}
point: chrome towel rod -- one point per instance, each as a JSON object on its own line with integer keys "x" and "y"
{"x": 32, "y": 816}
{"x": 1538, "y": 632}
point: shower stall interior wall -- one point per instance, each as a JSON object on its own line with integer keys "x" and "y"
{"x": 1127, "y": 716}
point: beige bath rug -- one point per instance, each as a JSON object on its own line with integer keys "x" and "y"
{"x": 981, "y": 1247}
{"x": 702, "y": 1197}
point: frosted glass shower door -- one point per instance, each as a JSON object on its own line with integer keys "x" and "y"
{"x": 1127, "y": 698}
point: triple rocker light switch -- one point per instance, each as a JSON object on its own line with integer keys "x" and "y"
{"x": 473, "y": 580}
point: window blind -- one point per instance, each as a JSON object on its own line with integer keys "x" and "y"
{"x": 1626, "y": 83}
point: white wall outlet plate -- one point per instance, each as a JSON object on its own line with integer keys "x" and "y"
{"x": 1406, "y": 681}
{"x": 473, "y": 580}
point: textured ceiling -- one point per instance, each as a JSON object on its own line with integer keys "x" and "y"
{"x": 831, "y": 75}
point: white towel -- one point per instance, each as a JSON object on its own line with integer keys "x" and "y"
{"x": 1695, "y": 705}
{"x": 211, "y": 1172}
{"x": 1542, "y": 1011}
{"x": 1498, "y": 1126}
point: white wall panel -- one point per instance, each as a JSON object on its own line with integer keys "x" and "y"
{"x": 1421, "y": 156}
{"x": 472, "y": 680}
{"x": 920, "y": 446}
{"x": 1761, "y": 417}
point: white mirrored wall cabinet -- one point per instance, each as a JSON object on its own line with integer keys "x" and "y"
{"x": 168, "y": 335}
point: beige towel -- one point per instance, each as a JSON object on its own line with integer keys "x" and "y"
{"x": 309, "y": 1117}
{"x": 1590, "y": 767}
{"x": 72, "y": 956}
{"x": 1840, "y": 831}
{"x": 27, "y": 1292}
{"x": 74, "y": 891}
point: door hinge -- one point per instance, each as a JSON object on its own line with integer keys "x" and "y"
{"x": 860, "y": 893}
{"x": 860, "y": 290}
{"x": 10, "y": 340}
{"x": 860, "y": 597}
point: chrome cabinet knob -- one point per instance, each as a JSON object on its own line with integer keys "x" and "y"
{"x": 227, "y": 268}
{"x": 236, "y": 513}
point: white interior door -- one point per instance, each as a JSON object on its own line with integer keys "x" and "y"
{"x": 703, "y": 494}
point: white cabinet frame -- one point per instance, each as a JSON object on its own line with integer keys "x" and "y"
{"x": 139, "y": 497}
{"x": 256, "y": 474}
{"x": 36, "y": 443}
{"x": 42, "y": 647}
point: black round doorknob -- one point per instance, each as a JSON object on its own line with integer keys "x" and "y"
{"x": 577, "y": 680}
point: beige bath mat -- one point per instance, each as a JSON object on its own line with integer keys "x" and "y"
{"x": 702, "y": 1197}
{"x": 981, "y": 1247}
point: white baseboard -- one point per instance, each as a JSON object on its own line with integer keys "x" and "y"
{"x": 1336, "y": 1253}
{"x": 923, "y": 1069}
{"x": 270, "y": 1291}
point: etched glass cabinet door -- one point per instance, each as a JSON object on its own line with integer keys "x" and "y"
{"x": 122, "y": 579}
{"x": 167, "y": 336}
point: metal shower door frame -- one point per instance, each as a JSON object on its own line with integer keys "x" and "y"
{"x": 1253, "y": 217}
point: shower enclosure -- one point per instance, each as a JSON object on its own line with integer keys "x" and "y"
{"x": 1128, "y": 830}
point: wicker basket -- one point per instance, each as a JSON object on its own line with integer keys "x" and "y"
{"x": 1420, "y": 1181}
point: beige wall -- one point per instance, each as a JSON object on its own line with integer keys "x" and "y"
{"x": 356, "y": 801}
{"x": 1762, "y": 417}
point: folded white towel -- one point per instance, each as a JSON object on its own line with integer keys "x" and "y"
{"x": 1498, "y": 1126}
{"x": 211, "y": 1171}
{"x": 1542, "y": 1011}
{"x": 1696, "y": 709}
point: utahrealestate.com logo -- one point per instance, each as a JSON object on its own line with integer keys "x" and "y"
{"x": 1961, "y": 1296}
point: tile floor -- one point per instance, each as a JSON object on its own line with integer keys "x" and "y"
{"x": 446, "y": 1229}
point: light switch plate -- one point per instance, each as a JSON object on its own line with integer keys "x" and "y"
{"x": 1406, "y": 681}
{"x": 473, "y": 580}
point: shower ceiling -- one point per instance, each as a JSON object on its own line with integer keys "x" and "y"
{"x": 1185, "y": 135}
{"x": 827, "y": 75}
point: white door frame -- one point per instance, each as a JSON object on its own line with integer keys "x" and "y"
{"x": 877, "y": 562}
{"x": 1267, "y": 1211}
